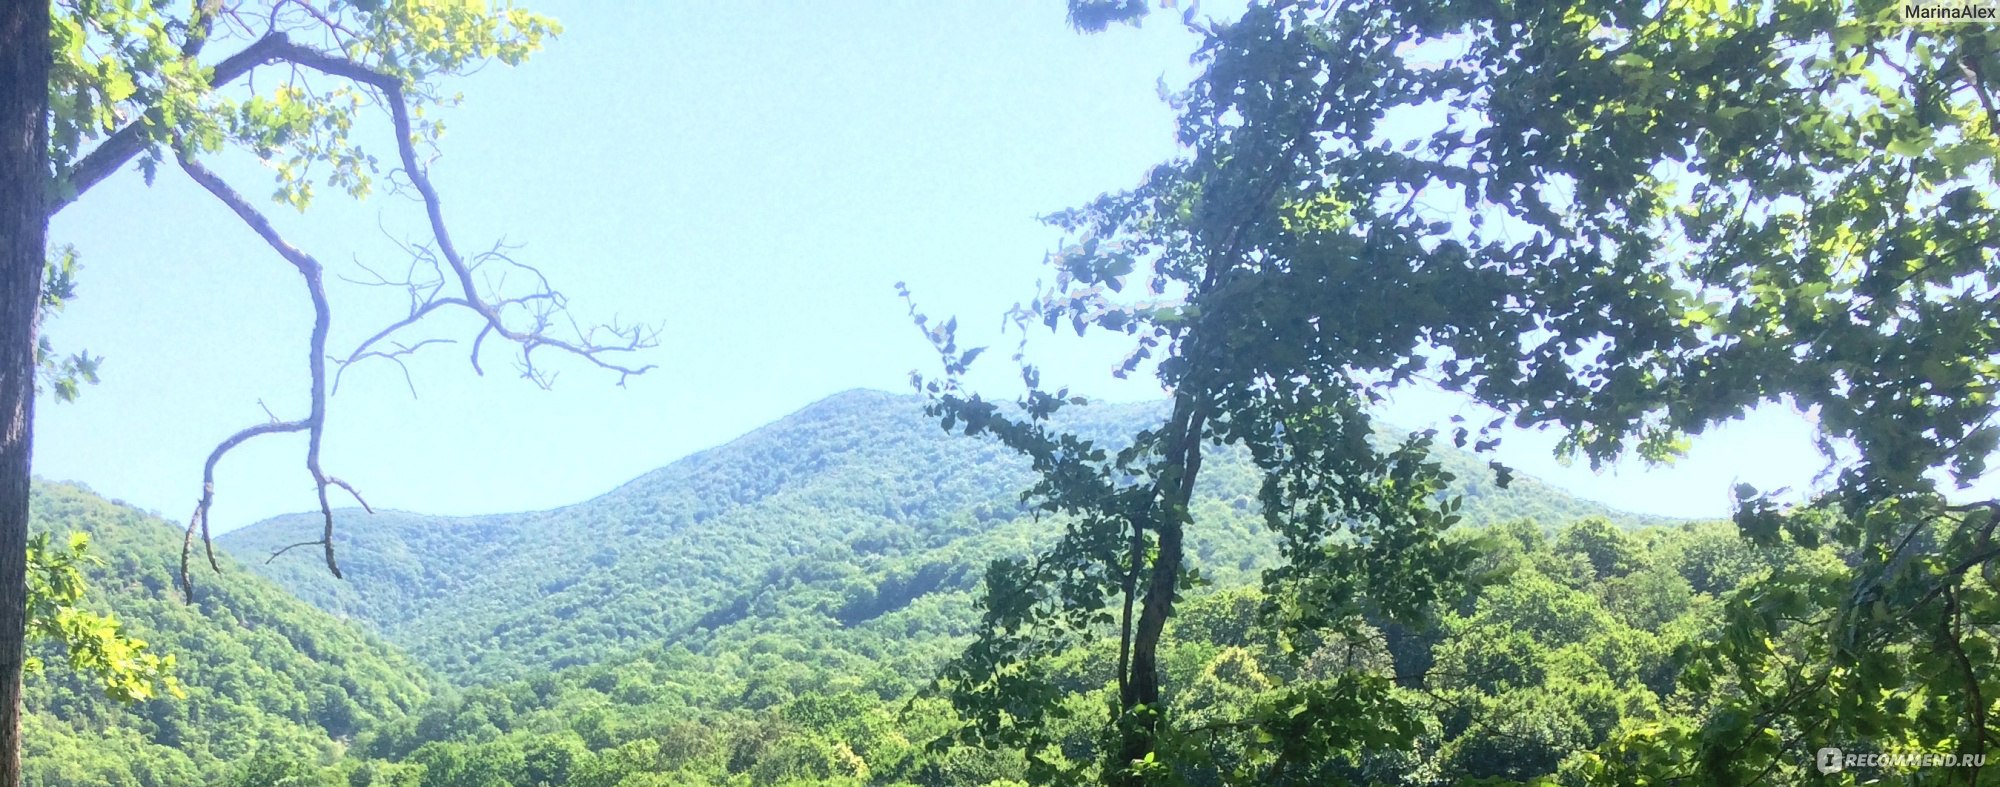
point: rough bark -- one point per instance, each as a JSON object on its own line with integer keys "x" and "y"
{"x": 24, "y": 97}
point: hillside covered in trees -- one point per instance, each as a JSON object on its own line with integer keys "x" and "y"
{"x": 1573, "y": 651}
{"x": 859, "y": 485}
{"x": 847, "y": 543}
{"x": 262, "y": 673}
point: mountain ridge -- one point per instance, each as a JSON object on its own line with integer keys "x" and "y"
{"x": 861, "y": 472}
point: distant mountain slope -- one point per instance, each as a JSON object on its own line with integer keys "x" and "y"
{"x": 262, "y": 670}
{"x": 856, "y": 482}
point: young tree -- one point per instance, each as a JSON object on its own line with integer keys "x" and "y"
{"x": 1627, "y": 222}
{"x": 87, "y": 88}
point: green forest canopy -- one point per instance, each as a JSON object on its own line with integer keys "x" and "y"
{"x": 1673, "y": 213}
{"x": 821, "y": 676}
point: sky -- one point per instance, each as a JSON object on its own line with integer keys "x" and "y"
{"x": 755, "y": 182}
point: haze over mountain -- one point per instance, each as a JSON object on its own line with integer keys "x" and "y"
{"x": 860, "y": 479}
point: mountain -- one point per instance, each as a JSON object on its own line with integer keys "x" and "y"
{"x": 1574, "y": 646}
{"x": 264, "y": 673}
{"x": 860, "y": 487}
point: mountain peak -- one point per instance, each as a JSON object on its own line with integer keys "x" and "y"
{"x": 853, "y": 477}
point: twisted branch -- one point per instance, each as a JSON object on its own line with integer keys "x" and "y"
{"x": 314, "y": 424}
{"x": 544, "y": 306}
{"x": 392, "y": 89}
{"x": 200, "y": 518}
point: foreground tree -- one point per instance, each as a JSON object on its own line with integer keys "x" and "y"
{"x": 1627, "y": 223}
{"x": 87, "y": 88}
{"x": 24, "y": 69}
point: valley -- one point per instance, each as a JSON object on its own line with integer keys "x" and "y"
{"x": 793, "y": 592}
{"x": 859, "y": 488}
{"x": 1107, "y": 312}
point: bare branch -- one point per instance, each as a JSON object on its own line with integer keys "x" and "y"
{"x": 395, "y": 355}
{"x": 476, "y": 341}
{"x": 391, "y": 87}
{"x": 542, "y": 306}
{"x": 200, "y": 518}
{"x": 352, "y": 491}
{"x": 289, "y": 547}
{"x": 315, "y": 423}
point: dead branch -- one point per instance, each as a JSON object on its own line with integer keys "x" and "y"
{"x": 543, "y": 306}
{"x": 394, "y": 355}
{"x": 351, "y": 491}
{"x": 315, "y": 423}
{"x": 289, "y": 547}
{"x": 392, "y": 89}
{"x": 200, "y": 519}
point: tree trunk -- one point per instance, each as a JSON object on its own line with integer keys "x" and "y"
{"x": 1140, "y": 692}
{"x": 24, "y": 182}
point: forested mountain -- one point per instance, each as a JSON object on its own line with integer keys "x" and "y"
{"x": 1674, "y": 216}
{"x": 860, "y": 485}
{"x": 1570, "y": 648}
{"x": 840, "y": 551}
{"x": 774, "y": 612}
{"x": 265, "y": 674}
{"x": 828, "y": 561}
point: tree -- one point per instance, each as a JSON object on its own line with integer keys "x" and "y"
{"x": 1607, "y": 551}
{"x": 24, "y": 79}
{"x": 1671, "y": 213}
{"x": 123, "y": 665}
{"x": 87, "y": 88}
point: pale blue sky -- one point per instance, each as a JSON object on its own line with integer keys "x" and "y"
{"x": 757, "y": 178}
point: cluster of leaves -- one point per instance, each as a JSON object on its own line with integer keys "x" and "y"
{"x": 126, "y": 669}
{"x": 62, "y": 375}
{"x": 136, "y": 64}
{"x": 1873, "y": 647}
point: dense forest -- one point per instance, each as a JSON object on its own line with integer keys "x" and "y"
{"x": 858, "y": 485}
{"x": 842, "y": 548}
{"x": 1622, "y": 225}
{"x": 263, "y": 674}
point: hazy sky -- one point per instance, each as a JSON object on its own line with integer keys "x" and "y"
{"x": 756, "y": 180}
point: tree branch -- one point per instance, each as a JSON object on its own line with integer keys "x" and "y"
{"x": 289, "y": 547}
{"x": 545, "y": 306}
{"x": 391, "y": 87}
{"x": 125, "y": 143}
{"x": 200, "y": 519}
{"x": 315, "y": 423}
